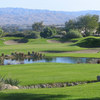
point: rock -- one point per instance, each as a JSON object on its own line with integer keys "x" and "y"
{"x": 76, "y": 83}
{"x": 64, "y": 85}
{"x": 32, "y": 87}
{"x": 69, "y": 84}
{"x": 52, "y": 85}
{"x": 49, "y": 86}
{"x": 98, "y": 78}
{"x": 43, "y": 86}
{"x": 20, "y": 87}
{"x": 14, "y": 87}
{"x": 7, "y": 86}
{"x": 1, "y": 88}
{"x": 35, "y": 86}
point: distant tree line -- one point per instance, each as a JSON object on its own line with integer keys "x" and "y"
{"x": 87, "y": 25}
{"x": 74, "y": 28}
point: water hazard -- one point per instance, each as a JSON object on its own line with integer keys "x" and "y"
{"x": 72, "y": 60}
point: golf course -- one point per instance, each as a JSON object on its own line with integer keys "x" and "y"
{"x": 49, "y": 73}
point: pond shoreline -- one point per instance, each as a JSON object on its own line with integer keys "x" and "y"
{"x": 67, "y": 60}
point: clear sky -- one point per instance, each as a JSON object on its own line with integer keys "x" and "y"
{"x": 57, "y": 5}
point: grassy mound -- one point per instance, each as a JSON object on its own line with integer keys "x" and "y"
{"x": 89, "y": 42}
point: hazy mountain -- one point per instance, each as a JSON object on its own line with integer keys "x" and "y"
{"x": 28, "y": 16}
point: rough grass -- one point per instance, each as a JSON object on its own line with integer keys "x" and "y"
{"x": 80, "y": 92}
{"x": 38, "y": 73}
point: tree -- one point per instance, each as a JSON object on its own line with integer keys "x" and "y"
{"x": 1, "y": 32}
{"x": 32, "y": 35}
{"x": 47, "y": 32}
{"x": 87, "y": 23}
{"x": 70, "y": 25}
{"x": 63, "y": 33}
{"x": 73, "y": 34}
{"x": 38, "y": 26}
{"x": 54, "y": 29}
{"x": 98, "y": 30}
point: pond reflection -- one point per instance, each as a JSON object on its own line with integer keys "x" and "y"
{"x": 72, "y": 60}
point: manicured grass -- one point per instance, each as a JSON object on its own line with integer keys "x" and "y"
{"x": 42, "y": 45}
{"x": 37, "y": 45}
{"x": 1, "y": 42}
{"x": 92, "y": 55}
{"x": 89, "y": 42}
{"x": 80, "y": 92}
{"x": 38, "y": 73}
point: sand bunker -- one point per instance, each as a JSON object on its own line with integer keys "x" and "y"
{"x": 11, "y": 42}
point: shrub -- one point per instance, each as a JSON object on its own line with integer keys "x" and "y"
{"x": 22, "y": 40}
{"x": 12, "y": 82}
{"x": 47, "y": 32}
{"x": 63, "y": 33}
{"x": 32, "y": 35}
{"x": 73, "y": 34}
{"x": 25, "y": 34}
{"x": 1, "y": 86}
{"x": 17, "y": 34}
{"x": 2, "y": 79}
{"x": 88, "y": 33}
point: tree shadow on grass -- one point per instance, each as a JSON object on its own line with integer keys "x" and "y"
{"x": 29, "y": 96}
{"x": 50, "y": 51}
{"x": 24, "y": 40}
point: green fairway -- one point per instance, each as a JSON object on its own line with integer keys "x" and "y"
{"x": 80, "y": 92}
{"x": 37, "y": 45}
{"x": 90, "y": 55}
{"x": 42, "y": 73}
{"x": 30, "y": 74}
{"x": 39, "y": 73}
{"x": 42, "y": 45}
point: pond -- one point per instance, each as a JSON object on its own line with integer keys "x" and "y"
{"x": 72, "y": 60}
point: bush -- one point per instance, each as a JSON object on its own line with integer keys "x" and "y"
{"x": 2, "y": 79}
{"x": 10, "y": 81}
{"x": 47, "y": 32}
{"x": 25, "y": 34}
{"x": 63, "y": 33}
{"x": 73, "y": 34}
{"x": 23, "y": 40}
{"x": 1, "y": 86}
{"x": 32, "y": 35}
{"x": 16, "y": 34}
{"x": 88, "y": 33}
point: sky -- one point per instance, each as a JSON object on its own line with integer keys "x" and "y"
{"x": 57, "y": 5}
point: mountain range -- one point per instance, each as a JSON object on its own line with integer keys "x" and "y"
{"x": 21, "y": 16}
